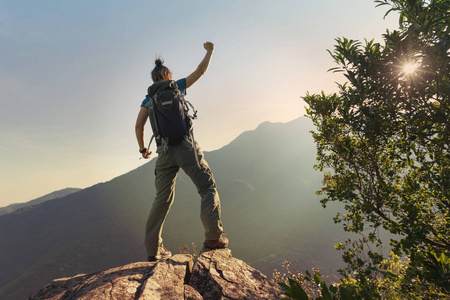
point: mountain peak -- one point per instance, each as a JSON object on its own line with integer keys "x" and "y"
{"x": 268, "y": 124}
{"x": 211, "y": 275}
{"x": 300, "y": 121}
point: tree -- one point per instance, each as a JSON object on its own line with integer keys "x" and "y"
{"x": 384, "y": 141}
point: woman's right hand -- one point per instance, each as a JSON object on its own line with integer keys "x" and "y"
{"x": 208, "y": 46}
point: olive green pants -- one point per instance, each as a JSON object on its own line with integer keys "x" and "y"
{"x": 166, "y": 170}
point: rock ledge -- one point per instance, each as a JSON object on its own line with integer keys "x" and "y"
{"x": 211, "y": 275}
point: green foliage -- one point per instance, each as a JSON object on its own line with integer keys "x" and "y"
{"x": 304, "y": 286}
{"x": 385, "y": 136}
{"x": 434, "y": 268}
{"x": 294, "y": 290}
{"x": 397, "y": 282}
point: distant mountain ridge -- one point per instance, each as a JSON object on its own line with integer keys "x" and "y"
{"x": 57, "y": 194}
{"x": 270, "y": 213}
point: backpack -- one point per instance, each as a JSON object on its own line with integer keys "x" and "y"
{"x": 169, "y": 114}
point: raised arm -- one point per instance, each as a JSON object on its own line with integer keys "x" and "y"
{"x": 203, "y": 66}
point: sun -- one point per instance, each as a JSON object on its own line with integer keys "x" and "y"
{"x": 409, "y": 68}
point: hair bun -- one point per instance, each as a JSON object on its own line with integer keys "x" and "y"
{"x": 159, "y": 62}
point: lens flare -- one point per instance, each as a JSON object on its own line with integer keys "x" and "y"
{"x": 409, "y": 68}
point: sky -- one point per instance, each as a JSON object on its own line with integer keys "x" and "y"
{"x": 73, "y": 75}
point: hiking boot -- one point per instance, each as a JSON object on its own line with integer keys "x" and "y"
{"x": 222, "y": 242}
{"x": 163, "y": 253}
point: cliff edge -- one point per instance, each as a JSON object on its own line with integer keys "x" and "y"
{"x": 210, "y": 275}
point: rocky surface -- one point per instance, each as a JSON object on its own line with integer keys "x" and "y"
{"x": 210, "y": 275}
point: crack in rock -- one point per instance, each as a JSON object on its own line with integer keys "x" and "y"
{"x": 143, "y": 282}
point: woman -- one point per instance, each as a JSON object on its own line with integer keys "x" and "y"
{"x": 166, "y": 169}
